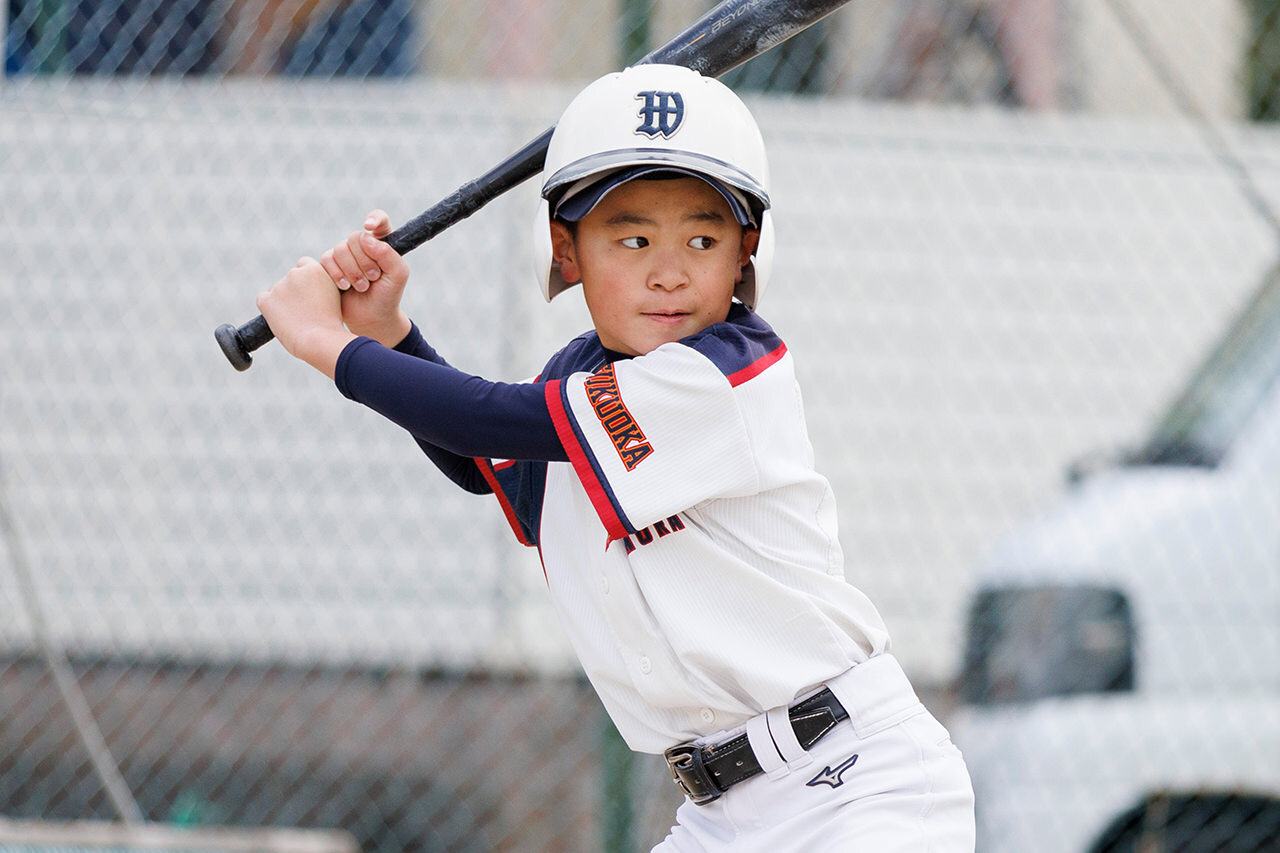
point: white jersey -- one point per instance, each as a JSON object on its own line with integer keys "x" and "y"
{"x": 689, "y": 545}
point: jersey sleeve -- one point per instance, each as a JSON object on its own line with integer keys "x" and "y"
{"x": 654, "y": 435}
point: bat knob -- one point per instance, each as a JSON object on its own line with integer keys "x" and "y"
{"x": 228, "y": 338}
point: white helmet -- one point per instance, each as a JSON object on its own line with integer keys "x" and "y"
{"x": 655, "y": 118}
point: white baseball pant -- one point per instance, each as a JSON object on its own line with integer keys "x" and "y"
{"x": 886, "y": 780}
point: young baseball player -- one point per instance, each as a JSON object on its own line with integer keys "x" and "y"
{"x": 661, "y": 466}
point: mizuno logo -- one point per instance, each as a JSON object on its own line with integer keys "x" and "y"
{"x": 833, "y": 776}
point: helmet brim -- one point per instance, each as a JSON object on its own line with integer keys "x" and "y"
{"x": 581, "y": 198}
{"x": 687, "y": 161}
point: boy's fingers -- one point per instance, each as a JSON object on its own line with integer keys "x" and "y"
{"x": 350, "y": 272}
{"x": 367, "y": 269}
{"x": 387, "y": 259}
{"x": 378, "y": 223}
{"x": 334, "y": 271}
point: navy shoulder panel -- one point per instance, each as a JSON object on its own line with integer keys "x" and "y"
{"x": 742, "y": 341}
{"x": 584, "y": 353}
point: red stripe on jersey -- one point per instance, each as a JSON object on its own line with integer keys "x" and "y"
{"x": 760, "y": 365}
{"x": 581, "y": 464}
{"x": 486, "y": 468}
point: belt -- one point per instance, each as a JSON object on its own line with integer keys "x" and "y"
{"x": 706, "y": 772}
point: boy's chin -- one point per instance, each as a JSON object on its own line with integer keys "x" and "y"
{"x": 645, "y": 336}
{"x": 667, "y": 336}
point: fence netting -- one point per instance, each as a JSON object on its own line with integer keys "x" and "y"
{"x": 1026, "y": 266}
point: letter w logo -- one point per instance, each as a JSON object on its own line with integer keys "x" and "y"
{"x": 663, "y": 112}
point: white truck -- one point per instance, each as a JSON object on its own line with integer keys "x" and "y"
{"x": 1121, "y": 683}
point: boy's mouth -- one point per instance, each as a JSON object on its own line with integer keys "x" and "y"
{"x": 666, "y": 316}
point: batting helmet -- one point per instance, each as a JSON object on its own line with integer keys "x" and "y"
{"x": 655, "y": 118}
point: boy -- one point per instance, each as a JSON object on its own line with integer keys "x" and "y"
{"x": 661, "y": 465}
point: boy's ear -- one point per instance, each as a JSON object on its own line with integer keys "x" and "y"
{"x": 564, "y": 251}
{"x": 750, "y": 241}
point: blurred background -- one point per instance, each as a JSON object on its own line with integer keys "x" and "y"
{"x": 1027, "y": 268}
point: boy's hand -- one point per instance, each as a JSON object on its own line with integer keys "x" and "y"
{"x": 304, "y": 311}
{"x": 371, "y": 276}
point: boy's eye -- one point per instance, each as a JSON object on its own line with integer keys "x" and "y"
{"x": 702, "y": 242}
{"x": 635, "y": 242}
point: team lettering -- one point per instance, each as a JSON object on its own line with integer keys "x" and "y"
{"x": 653, "y": 532}
{"x": 627, "y": 437}
{"x": 663, "y": 113}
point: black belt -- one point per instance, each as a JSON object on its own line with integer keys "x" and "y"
{"x": 706, "y": 772}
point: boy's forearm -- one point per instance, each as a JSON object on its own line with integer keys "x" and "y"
{"x": 467, "y": 416}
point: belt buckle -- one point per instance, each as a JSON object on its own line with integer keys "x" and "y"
{"x": 690, "y": 773}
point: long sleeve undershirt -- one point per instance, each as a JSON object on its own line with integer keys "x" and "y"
{"x": 454, "y": 416}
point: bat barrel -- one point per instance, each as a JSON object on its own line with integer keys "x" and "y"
{"x": 473, "y": 195}
{"x": 737, "y": 30}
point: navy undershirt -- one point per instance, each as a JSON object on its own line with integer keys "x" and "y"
{"x": 454, "y": 416}
{"x": 460, "y": 420}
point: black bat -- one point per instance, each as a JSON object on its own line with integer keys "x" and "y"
{"x": 719, "y": 41}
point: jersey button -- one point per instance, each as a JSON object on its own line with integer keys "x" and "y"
{"x": 646, "y": 665}
{"x": 707, "y": 715}
{"x": 604, "y": 584}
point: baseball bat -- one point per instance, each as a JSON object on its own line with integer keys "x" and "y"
{"x": 721, "y": 40}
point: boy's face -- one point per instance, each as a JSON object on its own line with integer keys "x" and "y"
{"x": 658, "y": 261}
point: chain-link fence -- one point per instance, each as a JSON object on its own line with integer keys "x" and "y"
{"x": 1017, "y": 239}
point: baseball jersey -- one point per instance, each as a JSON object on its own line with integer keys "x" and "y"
{"x": 689, "y": 545}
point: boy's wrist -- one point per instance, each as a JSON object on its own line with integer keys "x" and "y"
{"x": 321, "y": 347}
{"x": 389, "y": 333}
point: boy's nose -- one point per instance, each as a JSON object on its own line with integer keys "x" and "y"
{"x": 667, "y": 272}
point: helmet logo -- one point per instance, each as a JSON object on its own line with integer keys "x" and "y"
{"x": 663, "y": 113}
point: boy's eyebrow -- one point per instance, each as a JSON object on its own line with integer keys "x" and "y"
{"x": 628, "y": 217}
{"x": 707, "y": 215}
